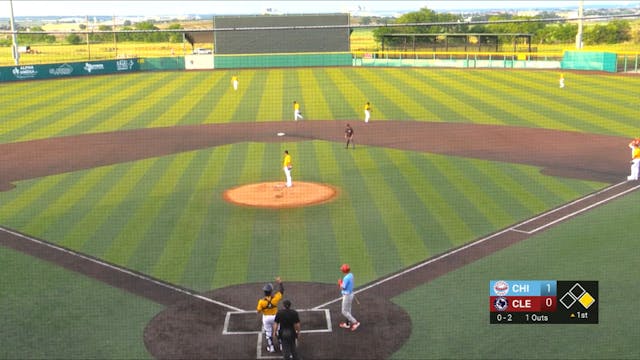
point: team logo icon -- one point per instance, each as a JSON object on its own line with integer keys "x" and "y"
{"x": 501, "y": 304}
{"x": 501, "y": 288}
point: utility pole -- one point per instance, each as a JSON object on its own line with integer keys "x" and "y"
{"x": 580, "y": 21}
{"x": 86, "y": 19}
{"x": 115, "y": 41}
{"x": 14, "y": 37}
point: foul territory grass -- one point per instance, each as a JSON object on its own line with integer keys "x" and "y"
{"x": 450, "y": 316}
{"x": 50, "y": 312}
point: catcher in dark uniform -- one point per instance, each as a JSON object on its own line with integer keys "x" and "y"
{"x": 348, "y": 135}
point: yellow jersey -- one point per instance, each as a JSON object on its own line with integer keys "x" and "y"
{"x": 268, "y": 305}
{"x": 287, "y": 161}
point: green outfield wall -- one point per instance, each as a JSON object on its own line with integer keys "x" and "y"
{"x": 589, "y": 60}
{"x": 282, "y": 60}
{"x": 56, "y": 71}
{"x": 164, "y": 63}
{"x": 500, "y": 63}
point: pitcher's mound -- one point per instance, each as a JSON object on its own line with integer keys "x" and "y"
{"x": 276, "y": 195}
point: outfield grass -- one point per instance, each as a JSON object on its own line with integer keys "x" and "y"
{"x": 165, "y": 217}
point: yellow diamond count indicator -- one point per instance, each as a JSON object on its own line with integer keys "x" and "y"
{"x": 586, "y": 300}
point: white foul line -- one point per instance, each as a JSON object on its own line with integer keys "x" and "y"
{"x": 118, "y": 268}
{"x": 489, "y": 237}
{"x": 566, "y": 206}
{"x": 551, "y": 223}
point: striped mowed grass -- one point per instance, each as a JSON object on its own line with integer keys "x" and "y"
{"x": 165, "y": 216}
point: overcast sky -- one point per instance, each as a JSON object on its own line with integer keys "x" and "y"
{"x": 178, "y": 7}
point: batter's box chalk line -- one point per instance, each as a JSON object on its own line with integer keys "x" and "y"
{"x": 236, "y": 323}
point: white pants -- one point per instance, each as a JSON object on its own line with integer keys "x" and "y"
{"x": 347, "y": 301}
{"x": 635, "y": 169}
{"x": 235, "y": 85}
{"x": 297, "y": 115}
{"x": 367, "y": 116}
{"x": 267, "y": 327}
{"x": 287, "y": 174}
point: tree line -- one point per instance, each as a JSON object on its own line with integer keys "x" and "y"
{"x": 615, "y": 31}
{"x": 612, "y": 32}
{"x": 104, "y": 34}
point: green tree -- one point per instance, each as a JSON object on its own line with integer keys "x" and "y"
{"x": 101, "y": 37}
{"x": 424, "y": 15}
{"x": 36, "y": 38}
{"x": 557, "y": 34}
{"x": 174, "y": 37}
{"x": 616, "y": 31}
{"x": 73, "y": 39}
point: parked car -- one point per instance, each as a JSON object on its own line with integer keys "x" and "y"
{"x": 201, "y": 51}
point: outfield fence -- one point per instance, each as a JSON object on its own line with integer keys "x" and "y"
{"x": 51, "y": 57}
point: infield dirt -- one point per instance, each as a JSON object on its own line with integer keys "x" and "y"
{"x": 191, "y": 328}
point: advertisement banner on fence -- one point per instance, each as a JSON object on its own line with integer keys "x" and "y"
{"x": 52, "y": 71}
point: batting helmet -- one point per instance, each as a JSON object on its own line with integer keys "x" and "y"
{"x": 268, "y": 288}
{"x": 345, "y": 268}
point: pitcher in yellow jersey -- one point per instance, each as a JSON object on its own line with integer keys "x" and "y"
{"x": 287, "y": 166}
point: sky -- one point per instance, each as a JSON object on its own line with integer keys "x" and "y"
{"x": 240, "y": 7}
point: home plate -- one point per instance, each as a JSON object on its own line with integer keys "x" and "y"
{"x": 280, "y": 134}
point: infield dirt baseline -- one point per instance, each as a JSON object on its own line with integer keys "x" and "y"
{"x": 559, "y": 153}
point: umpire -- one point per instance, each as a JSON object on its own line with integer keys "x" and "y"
{"x": 348, "y": 135}
{"x": 287, "y": 327}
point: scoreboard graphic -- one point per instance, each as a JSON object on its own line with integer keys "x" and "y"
{"x": 543, "y": 302}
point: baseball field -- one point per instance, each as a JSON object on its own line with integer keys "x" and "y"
{"x": 117, "y": 239}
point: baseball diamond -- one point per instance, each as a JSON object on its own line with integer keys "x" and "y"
{"x": 196, "y": 324}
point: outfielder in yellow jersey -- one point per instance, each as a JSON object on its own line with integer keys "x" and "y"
{"x": 287, "y": 166}
{"x": 268, "y": 307}
{"x": 367, "y": 112}
{"x": 296, "y": 111}
{"x": 234, "y": 82}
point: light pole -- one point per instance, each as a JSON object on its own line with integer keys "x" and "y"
{"x": 14, "y": 37}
